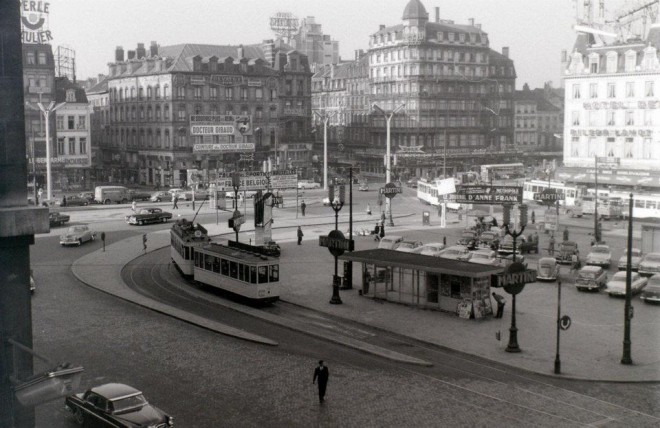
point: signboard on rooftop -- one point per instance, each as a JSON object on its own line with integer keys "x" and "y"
{"x": 257, "y": 180}
{"x": 213, "y": 124}
{"x": 491, "y": 195}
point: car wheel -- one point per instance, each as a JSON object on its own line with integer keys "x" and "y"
{"x": 163, "y": 219}
{"x": 85, "y": 203}
{"x": 79, "y": 242}
{"x": 124, "y": 201}
{"x": 157, "y": 199}
{"x": 78, "y": 416}
{"x": 107, "y": 202}
{"x": 141, "y": 223}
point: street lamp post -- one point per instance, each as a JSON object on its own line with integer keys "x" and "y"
{"x": 325, "y": 118}
{"x": 627, "y": 358}
{"x": 388, "y": 120}
{"x": 46, "y": 111}
{"x": 596, "y": 231}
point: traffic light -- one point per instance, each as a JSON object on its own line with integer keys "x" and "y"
{"x": 523, "y": 215}
{"x": 506, "y": 214}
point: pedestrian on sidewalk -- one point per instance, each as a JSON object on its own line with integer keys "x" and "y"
{"x": 500, "y": 304}
{"x": 64, "y": 201}
{"x": 444, "y": 241}
{"x": 175, "y": 200}
{"x": 533, "y": 217}
{"x": 300, "y": 235}
{"x": 551, "y": 247}
{"x": 302, "y": 208}
{"x": 134, "y": 206}
{"x": 382, "y": 229}
{"x": 144, "y": 243}
{"x": 368, "y": 209}
{"x": 321, "y": 373}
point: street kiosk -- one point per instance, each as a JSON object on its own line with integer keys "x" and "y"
{"x": 426, "y": 281}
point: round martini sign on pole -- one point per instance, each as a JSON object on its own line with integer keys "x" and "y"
{"x": 390, "y": 190}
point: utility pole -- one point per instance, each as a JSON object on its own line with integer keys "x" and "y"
{"x": 628, "y": 313}
{"x": 325, "y": 117}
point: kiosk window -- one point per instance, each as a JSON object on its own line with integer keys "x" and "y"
{"x": 224, "y": 267}
{"x": 274, "y": 273}
{"x": 263, "y": 274}
{"x": 253, "y": 274}
{"x": 233, "y": 269}
{"x": 455, "y": 284}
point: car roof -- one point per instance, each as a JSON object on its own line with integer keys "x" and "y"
{"x": 483, "y": 251}
{"x": 591, "y": 268}
{"x": 601, "y": 246}
{"x": 392, "y": 238}
{"x": 547, "y": 260}
{"x": 622, "y": 274}
{"x": 113, "y": 391}
{"x": 456, "y": 247}
{"x": 654, "y": 280}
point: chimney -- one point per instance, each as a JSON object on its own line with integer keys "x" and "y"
{"x": 153, "y": 49}
{"x": 100, "y": 78}
{"x": 505, "y": 51}
{"x": 141, "y": 52}
{"x": 471, "y": 21}
{"x": 437, "y": 15}
{"x": 119, "y": 54}
{"x": 131, "y": 55}
{"x": 381, "y": 26}
{"x": 239, "y": 53}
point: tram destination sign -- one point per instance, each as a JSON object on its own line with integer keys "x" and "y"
{"x": 492, "y": 195}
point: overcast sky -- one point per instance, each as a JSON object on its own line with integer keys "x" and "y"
{"x": 535, "y": 30}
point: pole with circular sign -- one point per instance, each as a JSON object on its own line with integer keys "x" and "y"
{"x": 337, "y": 244}
{"x": 390, "y": 190}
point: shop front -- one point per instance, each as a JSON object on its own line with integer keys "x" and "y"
{"x": 425, "y": 281}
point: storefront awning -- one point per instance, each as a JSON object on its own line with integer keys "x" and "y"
{"x": 611, "y": 177}
{"x": 420, "y": 262}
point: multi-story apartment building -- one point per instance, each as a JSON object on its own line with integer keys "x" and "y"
{"x": 320, "y": 48}
{"x": 73, "y": 154}
{"x": 612, "y": 110}
{"x": 457, "y": 93}
{"x": 538, "y": 122}
{"x": 156, "y": 97}
{"x": 99, "y": 100}
{"x": 39, "y": 86}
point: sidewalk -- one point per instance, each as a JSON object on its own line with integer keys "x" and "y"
{"x": 593, "y": 354}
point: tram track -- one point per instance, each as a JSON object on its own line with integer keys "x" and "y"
{"x": 481, "y": 380}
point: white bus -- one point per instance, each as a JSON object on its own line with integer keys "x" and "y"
{"x": 503, "y": 171}
{"x": 571, "y": 192}
{"x": 644, "y": 205}
{"x": 428, "y": 191}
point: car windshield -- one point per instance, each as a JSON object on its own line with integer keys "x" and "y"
{"x": 546, "y": 264}
{"x": 587, "y": 275}
{"x": 602, "y": 250}
{"x": 77, "y": 229}
{"x": 407, "y": 245}
{"x": 480, "y": 256}
{"x": 653, "y": 258}
{"x": 468, "y": 234}
{"x": 129, "y": 403}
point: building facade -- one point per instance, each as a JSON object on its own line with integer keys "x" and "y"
{"x": 539, "y": 123}
{"x": 612, "y": 111}
{"x": 155, "y": 97}
{"x": 73, "y": 155}
{"x": 320, "y": 48}
{"x": 457, "y": 95}
{"x": 99, "y": 100}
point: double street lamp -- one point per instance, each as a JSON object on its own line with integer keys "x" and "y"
{"x": 46, "y": 111}
{"x": 325, "y": 117}
{"x": 388, "y": 120}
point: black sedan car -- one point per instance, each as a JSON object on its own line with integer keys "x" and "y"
{"x": 75, "y": 201}
{"x": 115, "y": 405}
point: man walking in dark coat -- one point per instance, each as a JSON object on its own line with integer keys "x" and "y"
{"x": 321, "y": 372}
{"x": 500, "y": 305}
{"x": 175, "y": 200}
{"x": 302, "y": 208}
{"x": 300, "y": 235}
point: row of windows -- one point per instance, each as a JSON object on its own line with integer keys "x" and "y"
{"x": 631, "y": 89}
{"x": 428, "y": 54}
{"x": 612, "y": 118}
{"x": 649, "y": 61}
{"x": 75, "y": 146}
{"x": 440, "y": 88}
{"x": 200, "y": 93}
{"x": 448, "y": 36}
{"x": 239, "y": 271}
{"x": 72, "y": 122}
{"x": 621, "y": 147}
{"x": 429, "y": 70}
{"x": 184, "y": 251}
{"x": 36, "y": 58}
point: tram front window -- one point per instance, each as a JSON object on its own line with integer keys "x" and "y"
{"x": 208, "y": 262}
{"x": 216, "y": 264}
{"x": 224, "y": 267}
{"x": 274, "y": 271}
{"x": 233, "y": 269}
{"x": 253, "y": 274}
{"x": 263, "y": 274}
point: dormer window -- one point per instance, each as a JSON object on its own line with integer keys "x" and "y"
{"x": 576, "y": 65}
{"x": 650, "y": 60}
{"x": 71, "y": 96}
{"x": 631, "y": 61}
{"x": 612, "y": 59}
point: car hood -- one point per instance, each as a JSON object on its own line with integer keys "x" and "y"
{"x": 546, "y": 270}
{"x": 70, "y": 236}
{"x": 634, "y": 260}
{"x": 651, "y": 265}
{"x": 617, "y": 285}
{"x": 145, "y": 416}
{"x": 598, "y": 256}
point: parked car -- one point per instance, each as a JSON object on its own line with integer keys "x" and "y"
{"x": 455, "y": 252}
{"x": 431, "y": 249}
{"x": 111, "y": 194}
{"x": 77, "y": 235}
{"x": 484, "y": 257}
{"x": 635, "y": 259}
{"x": 139, "y": 195}
{"x": 200, "y": 195}
{"x": 57, "y": 219}
{"x": 363, "y": 187}
{"x": 600, "y": 255}
{"x": 489, "y": 239}
{"x": 87, "y": 195}
{"x": 408, "y": 246}
{"x": 412, "y": 183}
{"x": 523, "y": 246}
{"x": 308, "y": 184}
{"x": 506, "y": 260}
{"x": 591, "y": 278}
{"x": 547, "y": 269}
{"x": 161, "y": 196}
{"x": 390, "y": 242}
{"x": 75, "y": 201}
{"x": 617, "y": 285}
{"x": 650, "y": 264}
{"x": 467, "y": 236}
{"x": 148, "y": 215}
{"x": 566, "y": 251}
{"x": 651, "y": 293}
{"x": 116, "y": 405}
